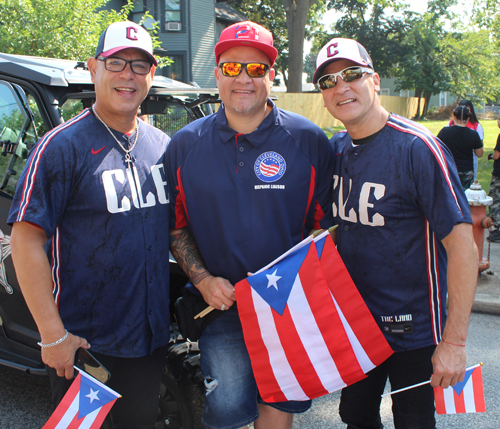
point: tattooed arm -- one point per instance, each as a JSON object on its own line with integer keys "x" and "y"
{"x": 215, "y": 290}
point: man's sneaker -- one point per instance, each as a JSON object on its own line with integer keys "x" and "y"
{"x": 495, "y": 236}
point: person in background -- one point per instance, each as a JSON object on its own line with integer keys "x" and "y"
{"x": 405, "y": 236}
{"x": 473, "y": 124}
{"x": 90, "y": 257}
{"x": 463, "y": 143}
{"x": 495, "y": 189}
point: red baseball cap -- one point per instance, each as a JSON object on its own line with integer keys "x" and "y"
{"x": 246, "y": 33}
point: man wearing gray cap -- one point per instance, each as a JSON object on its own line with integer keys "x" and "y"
{"x": 94, "y": 190}
{"x": 405, "y": 236}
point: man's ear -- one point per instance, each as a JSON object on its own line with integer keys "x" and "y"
{"x": 216, "y": 73}
{"x": 153, "y": 69}
{"x": 92, "y": 65}
{"x": 272, "y": 74}
{"x": 376, "y": 80}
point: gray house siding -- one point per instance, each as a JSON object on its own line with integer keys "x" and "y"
{"x": 202, "y": 18}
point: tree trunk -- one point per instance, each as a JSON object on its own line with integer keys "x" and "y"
{"x": 296, "y": 19}
{"x": 426, "y": 104}
{"x": 418, "y": 94}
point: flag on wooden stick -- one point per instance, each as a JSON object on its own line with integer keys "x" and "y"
{"x": 296, "y": 337}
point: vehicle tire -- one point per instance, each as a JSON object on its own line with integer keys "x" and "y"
{"x": 182, "y": 391}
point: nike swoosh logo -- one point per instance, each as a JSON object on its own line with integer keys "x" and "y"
{"x": 95, "y": 152}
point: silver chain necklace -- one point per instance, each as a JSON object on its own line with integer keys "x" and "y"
{"x": 128, "y": 158}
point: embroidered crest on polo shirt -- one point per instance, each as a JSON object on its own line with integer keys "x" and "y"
{"x": 270, "y": 167}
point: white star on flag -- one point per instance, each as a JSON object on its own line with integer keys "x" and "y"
{"x": 273, "y": 279}
{"x": 92, "y": 395}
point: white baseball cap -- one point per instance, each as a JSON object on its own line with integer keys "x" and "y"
{"x": 341, "y": 49}
{"x": 125, "y": 35}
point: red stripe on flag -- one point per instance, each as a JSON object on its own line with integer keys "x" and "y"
{"x": 297, "y": 356}
{"x": 326, "y": 315}
{"x": 353, "y": 307}
{"x": 75, "y": 422}
{"x": 63, "y": 406}
{"x": 255, "y": 345}
{"x": 103, "y": 412}
{"x": 439, "y": 400}
{"x": 459, "y": 402}
{"x": 477, "y": 380}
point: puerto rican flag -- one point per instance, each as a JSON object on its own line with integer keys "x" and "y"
{"x": 466, "y": 396}
{"x": 295, "y": 334}
{"x": 85, "y": 405}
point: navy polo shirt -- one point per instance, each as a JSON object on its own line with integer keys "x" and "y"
{"x": 247, "y": 198}
{"x": 108, "y": 252}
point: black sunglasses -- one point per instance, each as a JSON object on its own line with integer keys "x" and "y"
{"x": 347, "y": 75}
{"x": 116, "y": 64}
{"x": 233, "y": 69}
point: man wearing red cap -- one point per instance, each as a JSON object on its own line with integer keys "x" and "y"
{"x": 247, "y": 184}
{"x": 95, "y": 190}
{"x": 405, "y": 236}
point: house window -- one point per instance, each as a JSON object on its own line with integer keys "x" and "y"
{"x": 177, "y": 69}
{"x": 138, "y": 11}
{"x": 172, "y": 11}
{"x": 443, "y": 99}
{"x": 385, "y": 91}
{"x": 404, "y": 93}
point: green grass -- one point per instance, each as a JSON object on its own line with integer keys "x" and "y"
{"x": 485, "y": 167}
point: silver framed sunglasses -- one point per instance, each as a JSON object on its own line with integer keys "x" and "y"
{"x": 347, "y": 75}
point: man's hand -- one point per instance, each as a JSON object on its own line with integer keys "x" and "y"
{"x": 62, "y": 356}
{"x": 217, "y": 291}
{"x": 448, "y": 363}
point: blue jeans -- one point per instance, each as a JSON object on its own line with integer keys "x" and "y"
{"x": 231, "y": 391}
{"x": 412, "y": 409}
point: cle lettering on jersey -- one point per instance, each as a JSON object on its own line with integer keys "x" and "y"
{"x": 132, "y": 176}
{"x": 364, "y": 207}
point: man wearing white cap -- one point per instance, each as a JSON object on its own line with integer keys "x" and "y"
{"x": 248, "y": 183}
{"x": 94, "y": 189}
{"x": 405, "y": 236}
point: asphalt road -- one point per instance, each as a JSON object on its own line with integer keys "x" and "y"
{"x": 25, "y": 399}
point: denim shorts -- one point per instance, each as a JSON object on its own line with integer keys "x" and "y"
{"x": 231, "y": 393}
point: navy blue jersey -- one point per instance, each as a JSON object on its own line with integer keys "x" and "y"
{"x": 395, "y": 198}
{"x": 247, "y": 198}
{"x": 107, "y": 249}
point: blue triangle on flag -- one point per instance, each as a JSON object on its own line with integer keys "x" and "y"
{"x": 92, "y": 397}
{"x": 319, "y": 246}
{"x": 275, "y": 284}
{"x": 461, "y": 384}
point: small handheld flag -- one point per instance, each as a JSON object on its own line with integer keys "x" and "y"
{"x": 85, "y": 405}
{"x": 466, "y": 396}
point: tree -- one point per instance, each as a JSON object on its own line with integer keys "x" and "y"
{"x": 296, "y": 19}
{"x": 66, "y": 29}
{"x": 367, "y": 22}
{"x": 473, "y": 64}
